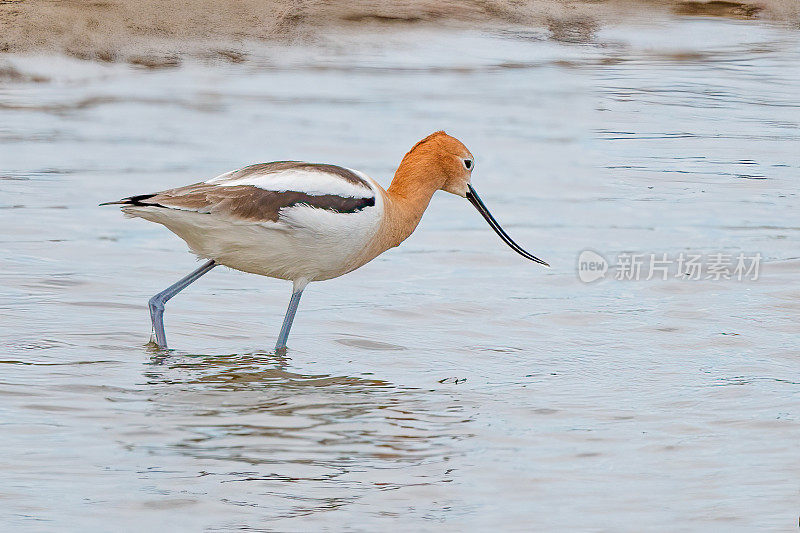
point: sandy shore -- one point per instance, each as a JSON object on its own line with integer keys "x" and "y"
{"x": 158, "y": 33}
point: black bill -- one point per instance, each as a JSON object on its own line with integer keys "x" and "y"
{"x": 475, "y": 200}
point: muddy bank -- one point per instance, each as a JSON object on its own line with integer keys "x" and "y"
{"x": 158, "y": 33}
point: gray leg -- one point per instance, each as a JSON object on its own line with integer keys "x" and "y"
{"x": 157, "y": 302}
{"x": 297, "y": 292}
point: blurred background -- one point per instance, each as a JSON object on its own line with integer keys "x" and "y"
{"x": 449, "y": 384}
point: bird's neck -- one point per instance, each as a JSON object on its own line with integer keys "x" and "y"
{"x": 406, "y": 200}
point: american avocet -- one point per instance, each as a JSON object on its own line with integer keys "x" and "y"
{"x": 305, "y": 222}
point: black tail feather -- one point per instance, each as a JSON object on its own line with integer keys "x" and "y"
{"x": 133, "y": 200}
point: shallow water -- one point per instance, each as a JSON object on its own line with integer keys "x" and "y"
{"x": 449, "y": 384}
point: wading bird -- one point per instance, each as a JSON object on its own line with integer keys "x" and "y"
{"x": 305, "y": 222}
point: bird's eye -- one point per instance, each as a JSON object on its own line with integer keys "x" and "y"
{"x": 468, "y": 164}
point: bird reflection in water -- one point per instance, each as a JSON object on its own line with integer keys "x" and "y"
{"x": 319, "y": 441}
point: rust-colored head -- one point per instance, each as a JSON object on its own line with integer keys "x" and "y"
{"x": 441, "y": 158}
{"x": 440, "y": 161}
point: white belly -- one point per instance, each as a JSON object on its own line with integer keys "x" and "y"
{"x": 306, "y": 243}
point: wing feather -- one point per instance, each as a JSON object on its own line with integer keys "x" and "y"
{"x": 258, "y": 193}
{"x": 311, "y": 178}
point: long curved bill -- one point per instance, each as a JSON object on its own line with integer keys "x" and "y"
{"x": 475, "y": 200}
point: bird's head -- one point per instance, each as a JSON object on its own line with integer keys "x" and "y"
{"x": 446, "y": 162}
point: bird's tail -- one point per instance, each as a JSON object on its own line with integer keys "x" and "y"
{"x": 131, "y": 200}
